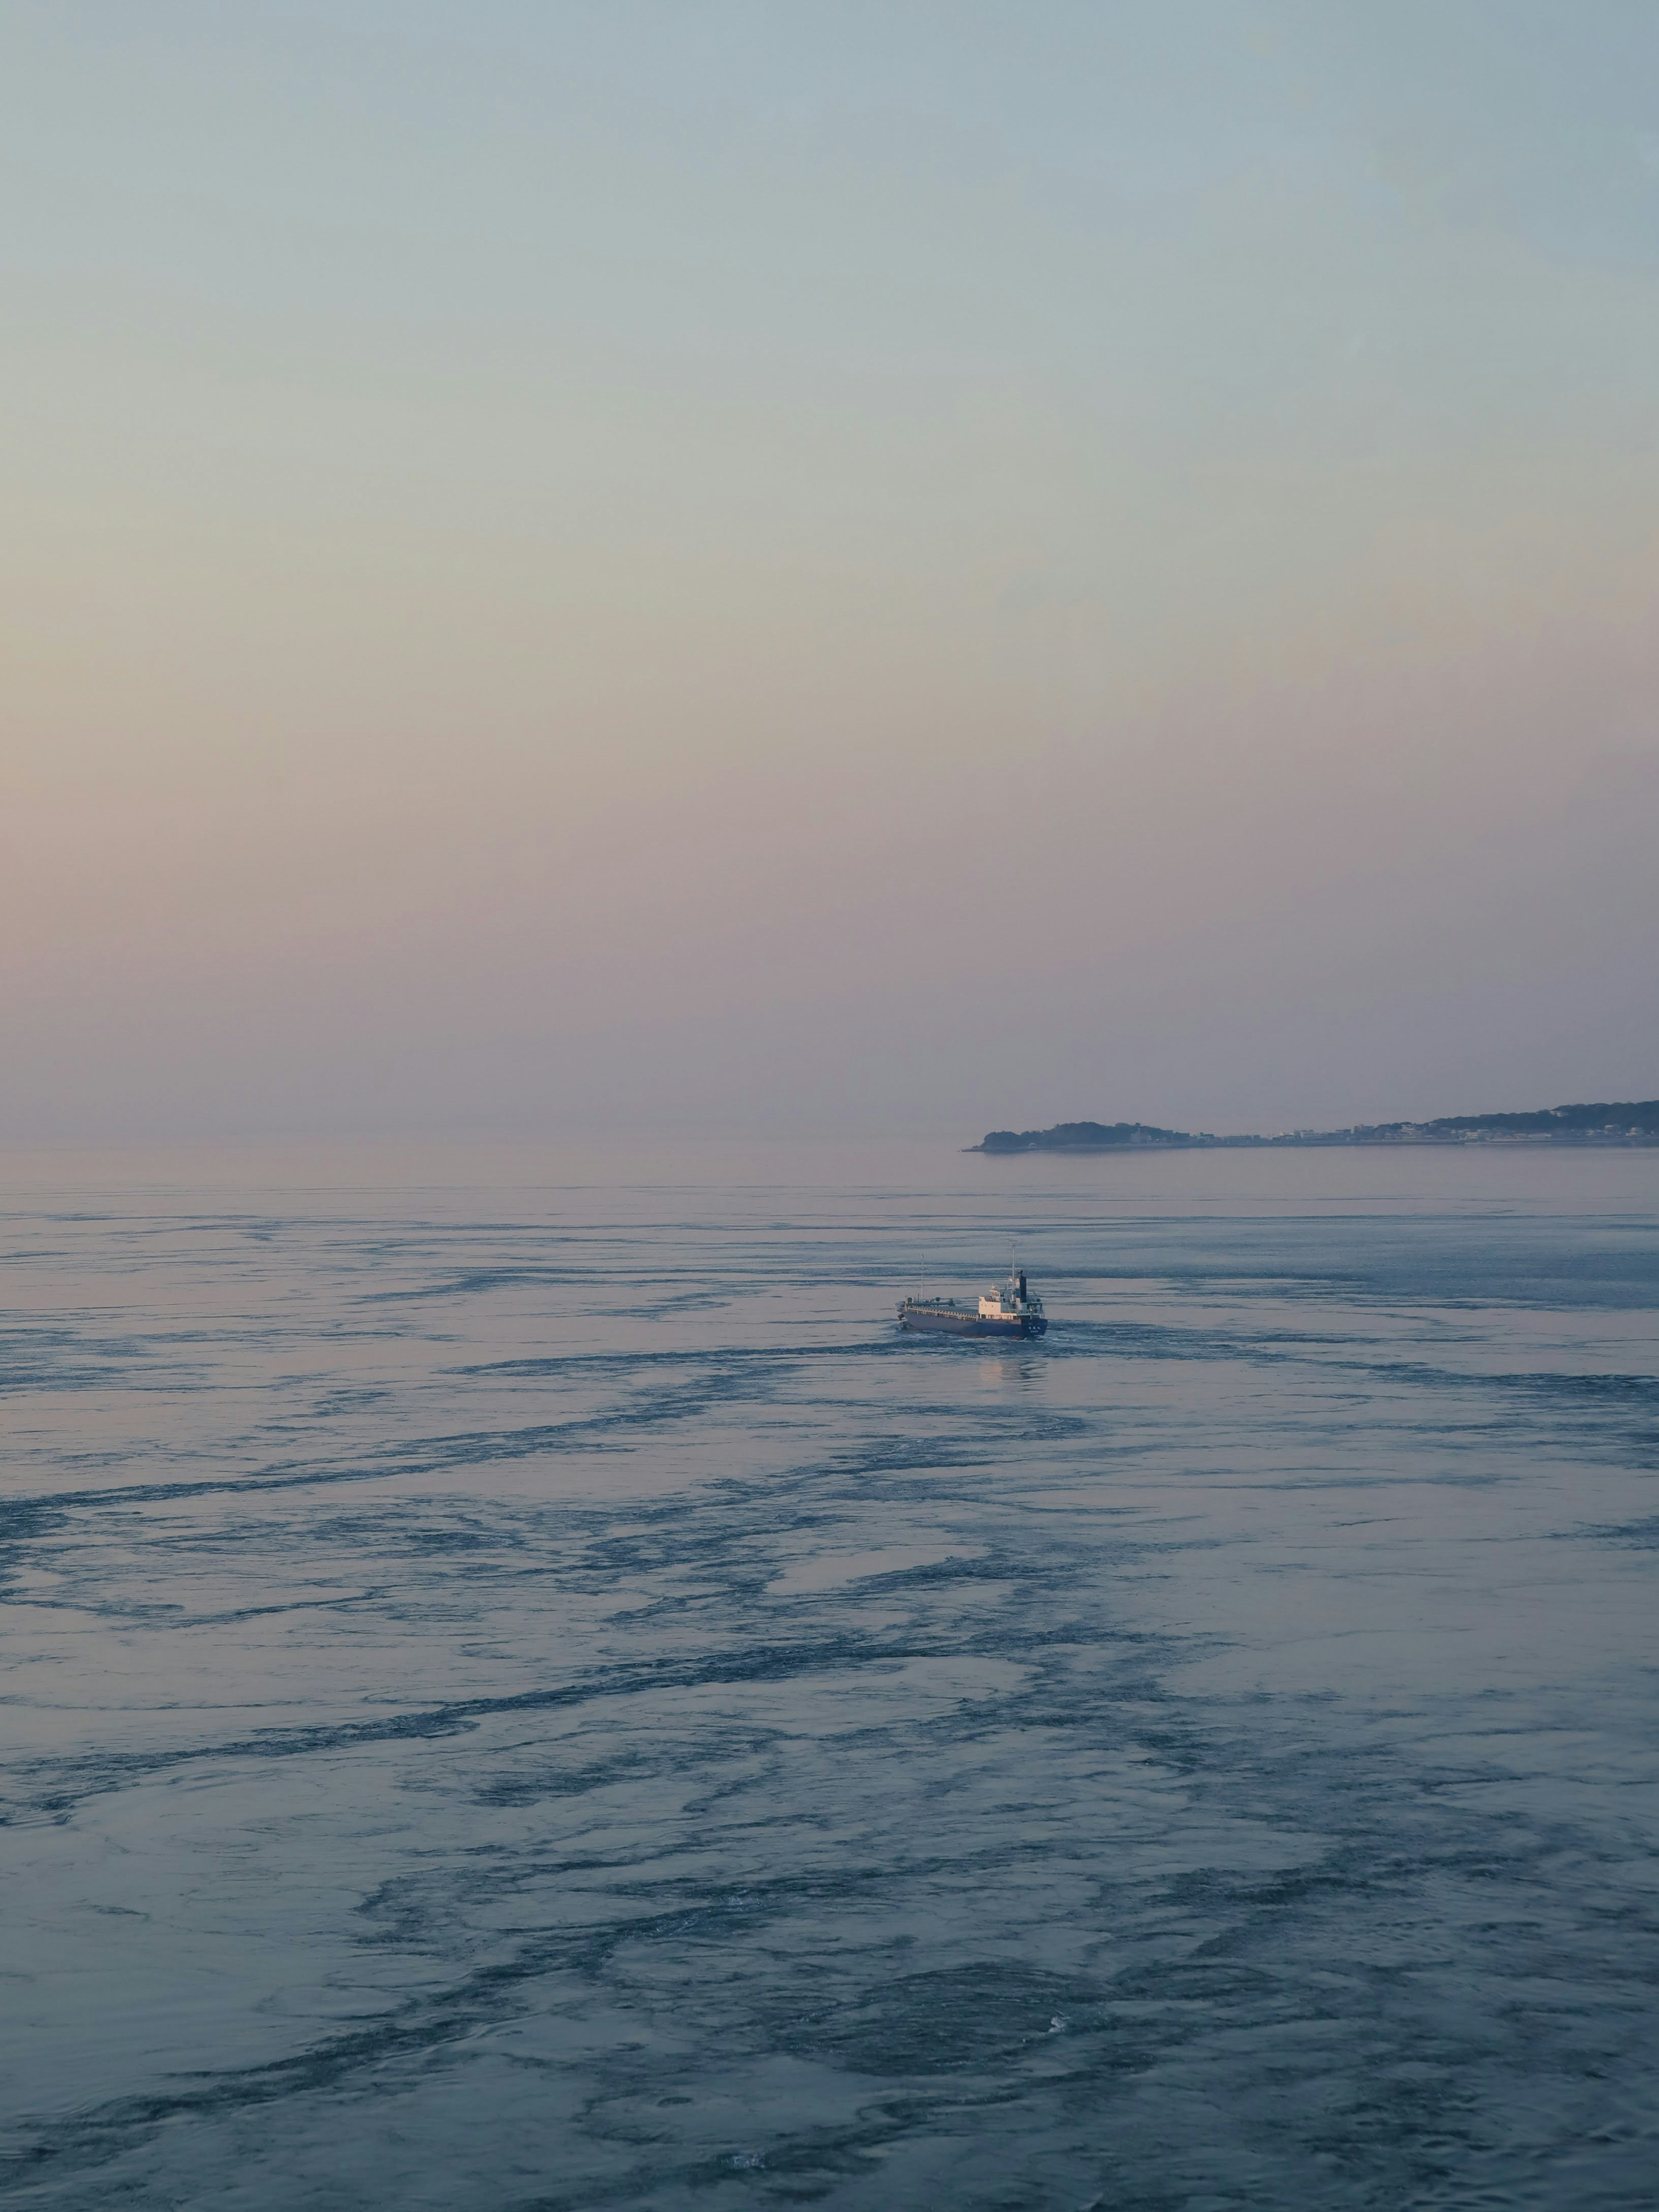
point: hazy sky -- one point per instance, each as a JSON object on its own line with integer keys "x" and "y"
{"x": 739, "y": 566}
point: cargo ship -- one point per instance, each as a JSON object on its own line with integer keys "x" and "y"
{"x": 1006, "y": 1309}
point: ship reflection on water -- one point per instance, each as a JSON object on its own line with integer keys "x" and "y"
{"x": 997, "y": 1374}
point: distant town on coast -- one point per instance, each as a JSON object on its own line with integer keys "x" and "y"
{"x": 1605, "y": 1124}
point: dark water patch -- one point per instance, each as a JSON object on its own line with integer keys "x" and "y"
{"x": 25, "y": 1525}
{"x": 1618, "y": 1391}
{"x": 63, "y": 1358}
{"x": 59, "y": 1786}
{"x": 952, "y": 2020}
{"x": 582, "y": 1366}
{"x": 573, "y": 1273}
{"x": 1641, "y": 1536}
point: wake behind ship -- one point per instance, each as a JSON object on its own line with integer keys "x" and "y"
{"x": 1007, "y": 1310}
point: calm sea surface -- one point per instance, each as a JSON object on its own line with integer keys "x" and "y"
{"x": 522, "y": 1690}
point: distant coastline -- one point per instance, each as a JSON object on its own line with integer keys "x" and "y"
{"x": 1609, "y": 1123}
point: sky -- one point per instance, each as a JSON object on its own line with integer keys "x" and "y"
{"x": 741, "y": 566}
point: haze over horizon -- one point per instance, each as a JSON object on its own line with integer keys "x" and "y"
{"x": 741, "y": 570}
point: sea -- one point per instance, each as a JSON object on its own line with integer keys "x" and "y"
{"x": 523, "y": 1689}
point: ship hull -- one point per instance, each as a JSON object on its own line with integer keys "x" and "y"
{"x": 932, "y": 1323}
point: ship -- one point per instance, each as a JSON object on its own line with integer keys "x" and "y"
{"x": 1009, "y": 1309}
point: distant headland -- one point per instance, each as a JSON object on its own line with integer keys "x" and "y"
{"x": 1607, "y": 1124}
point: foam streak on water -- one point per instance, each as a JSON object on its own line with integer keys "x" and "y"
{"x": 521, "y": 1689}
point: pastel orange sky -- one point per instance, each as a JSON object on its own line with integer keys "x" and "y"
{"x": 739, "y": 568}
